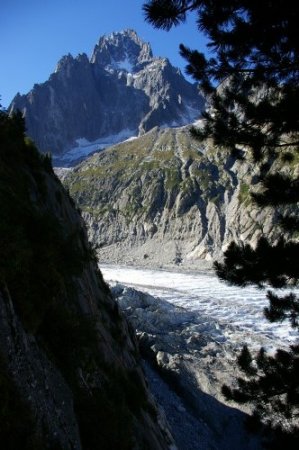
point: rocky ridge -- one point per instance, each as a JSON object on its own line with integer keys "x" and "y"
{"x": 166, "y": 199}
{"x": 121, "y": 91}
{"x": 70, "y": 376}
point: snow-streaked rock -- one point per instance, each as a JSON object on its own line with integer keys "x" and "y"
{"x": 87, "y": 104}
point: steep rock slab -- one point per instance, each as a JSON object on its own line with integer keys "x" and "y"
{"x": 69, "y": 367}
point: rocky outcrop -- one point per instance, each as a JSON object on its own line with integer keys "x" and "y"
{"x": 70, "y": 376}
{"x": 165, "y": 198}
{"x": 121, "y": 91}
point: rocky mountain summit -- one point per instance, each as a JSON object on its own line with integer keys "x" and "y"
{"x": 165, "y": 198}
{"x": 70, "y": 375}
{"x": 121, "y": 91}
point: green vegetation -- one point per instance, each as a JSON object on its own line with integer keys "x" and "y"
{"x": 205, "y": 179}
{"x": 171, "y": 157}
{"x": 187, "y": 185}
{"x": 244, "y": 193}
{"x": 173, "y": 179}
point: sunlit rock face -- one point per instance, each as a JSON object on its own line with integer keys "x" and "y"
{"x": 121, "y": 91}
{"x": 166, "y": 199}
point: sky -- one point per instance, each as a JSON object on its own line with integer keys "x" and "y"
{"x": 35, "y": 34}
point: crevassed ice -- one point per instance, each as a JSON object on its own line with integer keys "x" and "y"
{"x": 238, "y": 310}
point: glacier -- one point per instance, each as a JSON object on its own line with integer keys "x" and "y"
{"x": 239, "y": 311}
{"x": 190, "y": 328}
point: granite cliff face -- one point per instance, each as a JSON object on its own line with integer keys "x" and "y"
{"x": 166, "y": 199}
{"x": 69, "y": 367}
{"x": 120, "y": 92}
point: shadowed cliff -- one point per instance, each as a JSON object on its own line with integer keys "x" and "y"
{"x": 69, "y": 366}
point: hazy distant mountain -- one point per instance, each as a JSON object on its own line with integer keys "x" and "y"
{"x": 121, "y": 91}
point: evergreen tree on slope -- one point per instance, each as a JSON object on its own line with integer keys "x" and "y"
{"x": 251, "y": 82}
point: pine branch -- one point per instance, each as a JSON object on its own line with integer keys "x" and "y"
{"x": 244, "y": 265}
{"x": 255, "y": 51}
{"x": 165, "y": 14}
{"x": 282, "y": 308}
{"x": 278, "y": 190}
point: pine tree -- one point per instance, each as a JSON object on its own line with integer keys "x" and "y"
{"x": 251, "y": 83}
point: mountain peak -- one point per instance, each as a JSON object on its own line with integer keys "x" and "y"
{"x": 121, "y": 91}
{"x": 64, "y": 62}
{"x": 127, "y": 33}
{"x": 121, "y": 50}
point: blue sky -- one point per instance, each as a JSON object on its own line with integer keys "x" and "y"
{"x": 35, "y": 34}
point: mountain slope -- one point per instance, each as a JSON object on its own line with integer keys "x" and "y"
{"x": 164, "y": 198}
{"x": 69, "y": 371}
{"x": 120, "y": 92}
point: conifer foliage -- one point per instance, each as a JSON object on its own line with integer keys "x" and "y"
{"x": 251, "y": 83}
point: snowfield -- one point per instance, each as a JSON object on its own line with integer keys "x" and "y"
{"x": 85, "y": 148}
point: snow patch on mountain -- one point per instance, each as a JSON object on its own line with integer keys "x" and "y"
{"x": 124, "y": 64}
{"x": 190, "y": 115}
{"x": 84, "y": 147}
